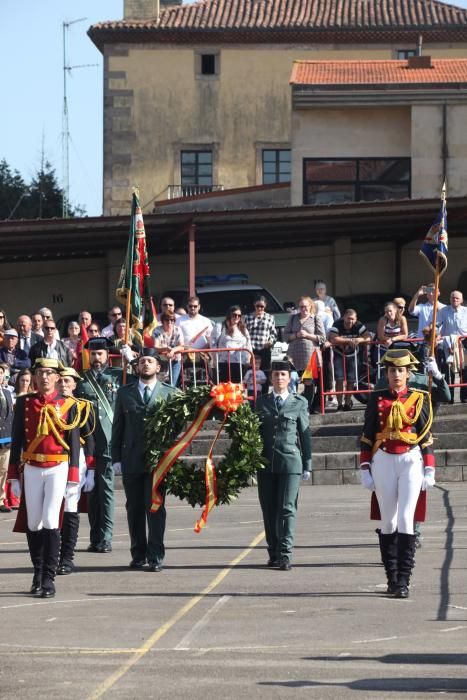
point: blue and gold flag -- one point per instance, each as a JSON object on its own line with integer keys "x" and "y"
{"x": 436, "y": 240}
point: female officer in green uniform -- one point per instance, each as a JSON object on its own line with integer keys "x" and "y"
{"x": 285, "y": 431}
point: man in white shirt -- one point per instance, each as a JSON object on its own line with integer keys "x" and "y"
{"x": 453, "y": 323}
{"x": 113, "y": 315}
{"x": 424, "y": 312}
{"x": 196, "y": 329}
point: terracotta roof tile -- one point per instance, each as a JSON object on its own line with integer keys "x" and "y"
{"x": 300, "y": 15}
{"x": 334, "y": 73}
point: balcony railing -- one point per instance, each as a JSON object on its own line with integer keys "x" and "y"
{"x": 176, "y": 191}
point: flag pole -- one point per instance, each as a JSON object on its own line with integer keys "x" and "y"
{"x": 128, "y": 296}
{"x": 435, "y": 301}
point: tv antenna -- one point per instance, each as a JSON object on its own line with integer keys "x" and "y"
{"x": 65, "y": 122}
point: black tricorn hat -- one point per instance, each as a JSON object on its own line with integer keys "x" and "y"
{"x": 281, "y": 366}
{"x": 100, "y": 343}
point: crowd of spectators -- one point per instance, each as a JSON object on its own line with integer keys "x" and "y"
{"x": 316, "y": 325}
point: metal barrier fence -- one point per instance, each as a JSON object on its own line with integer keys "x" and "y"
{"x": 368, "y": 369}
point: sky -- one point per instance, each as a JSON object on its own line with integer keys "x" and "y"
{"x": 31, "y": 55}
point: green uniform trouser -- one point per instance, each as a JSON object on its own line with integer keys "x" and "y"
{"x": 101, "y": 502}
{"x": 278, "y": 497}
{"x": 138, "y": 491}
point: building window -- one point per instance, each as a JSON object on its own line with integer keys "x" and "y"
{"x": 404, "y": 54}
{"x": 207, "y": 64}
{"x": 276, "y": 166}
{"x": 343, "y": 180}
{"x": 196, "y": 172}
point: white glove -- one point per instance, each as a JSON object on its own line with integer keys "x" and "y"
{"x": 429, "y": 479}
{"x": 306, "y": 476}
{"x": 89, "y": 483}
{"x": 433, "y": 368}
{"x": 16, "y": 488}
{"x": 127, "y": 353}
{"x": 367, "y": 479}
{"x": 117, "y": 467}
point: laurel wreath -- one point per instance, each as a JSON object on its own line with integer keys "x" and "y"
{"x": 166, "y": 420}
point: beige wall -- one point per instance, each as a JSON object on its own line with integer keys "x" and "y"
{"x": 155, "y": 105}
{"x": 351, "y": 132}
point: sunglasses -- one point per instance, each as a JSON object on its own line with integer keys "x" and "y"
{"x": 401, "y": 308}
{"x": 49, "y": 317}
{"x": 49, "y": 328}
{"x": 116, "y": 315}
{"x": 259, "y": 306}
{"x": 2, "y": 316}
{"x": 236, "y": 315}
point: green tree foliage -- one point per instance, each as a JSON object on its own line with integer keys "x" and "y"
{"x": 42, "y": 198}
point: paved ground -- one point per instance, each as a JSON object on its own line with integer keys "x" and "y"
{"x": 218, "y": 624}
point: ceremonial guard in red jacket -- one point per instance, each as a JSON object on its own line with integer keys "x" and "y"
{"x": 44, "y": 454}
{"x": 397, "y": 463}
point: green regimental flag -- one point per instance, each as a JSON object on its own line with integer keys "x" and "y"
{"x": 135, "y": 277}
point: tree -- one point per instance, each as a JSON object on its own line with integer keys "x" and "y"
{"x": 13, "y": 190}
{"x": 41, "y": 199}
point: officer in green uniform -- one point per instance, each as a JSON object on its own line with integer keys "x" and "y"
{"x": 100, "y": 385}
{"x": 129, "y": 460}
{"x": 285, "y": 431}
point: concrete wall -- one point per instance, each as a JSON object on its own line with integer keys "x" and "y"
{"x": 155, "y": 104}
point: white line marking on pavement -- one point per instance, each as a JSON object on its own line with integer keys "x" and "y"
{"x": 457, "y": 607}
{"x": 51, "y": 619}
{"x": 454, "y": 629}
{"x": 77, "y": 600}
{"x": 184, "y": 644}
{"x": 369, "y": 641}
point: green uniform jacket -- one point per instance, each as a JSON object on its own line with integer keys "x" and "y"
{"x": 110, "y": 381}
{"x": 128, "y": 443}
{"x": 286, "y": 434}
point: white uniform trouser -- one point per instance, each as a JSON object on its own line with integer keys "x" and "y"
{"x": 44, "y": 489}
{"x": 398, "y": 480}
{"x": 73, "y": 492}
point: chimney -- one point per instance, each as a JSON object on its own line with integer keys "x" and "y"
{"x": 141, "y": 9}
{"x": 419, "y": 62}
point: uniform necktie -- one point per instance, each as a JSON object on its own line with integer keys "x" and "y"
{"x": 279, "y": 402}
{"x": 146, "y": 395}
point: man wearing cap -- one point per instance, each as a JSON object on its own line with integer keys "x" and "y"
{"x": 285, "y": 431}
{"x": 129, "y": 459}
{"x": 69, "y": 378}
{"x": 397, "y": 462}
{"x": 45, "y": 439}
{"x": 100, "y": 385}
{"x": 12, "y": 355}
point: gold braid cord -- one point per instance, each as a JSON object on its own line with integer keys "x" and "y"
{"x": 86, "y": 410}
{"x": 51, "y": 420}
{"x": 398, "y": 418}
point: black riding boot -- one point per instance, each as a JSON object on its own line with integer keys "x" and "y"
{"x": 51, "y": 554}
{"x": 69, "y": 534}
{"x": 35, "y": 544}
{"x": 405, "y": 562}
{"x": 388, "y": 546}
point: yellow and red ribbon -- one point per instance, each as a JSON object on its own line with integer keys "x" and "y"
{"x": 226, "y": 396}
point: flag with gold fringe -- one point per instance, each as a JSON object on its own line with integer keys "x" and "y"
{"x": 435, "y": 244}
{"x": 135, "y": 278}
